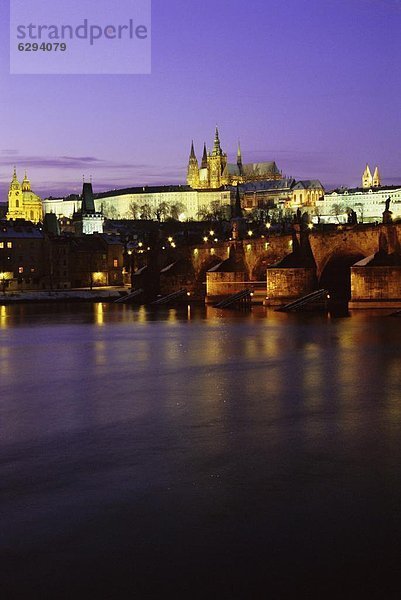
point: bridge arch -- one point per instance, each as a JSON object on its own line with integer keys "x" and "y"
{"x": 335, "y": 271}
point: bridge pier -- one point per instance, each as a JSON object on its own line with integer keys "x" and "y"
{"x": 286, "y": 284}
{"x": 220, "y": 284}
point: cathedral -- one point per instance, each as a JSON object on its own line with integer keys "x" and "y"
{"x": 215, "y": 171}
{"x": 22, "y": 202}
{"x": 369, "y": 180}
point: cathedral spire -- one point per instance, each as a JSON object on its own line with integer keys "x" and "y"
{"x": 217, "y": 148}
{"x": 193, "y": 169}
{"x": 367, "y": 179}
{"x": 239, "y": 158}
{"x": 376, "y": 178}
{"x": 204, "y": 157}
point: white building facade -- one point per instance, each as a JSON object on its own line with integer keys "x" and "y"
{"x": 120, "y": 204}
{"x": 369, "y": 204}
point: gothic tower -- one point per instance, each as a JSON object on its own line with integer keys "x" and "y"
{"x": 193, "y": 169}
{"x": 367, "y": 179}
{"x": 204, "y": 157}
{"x": 239, "y": 160}
{"x": 376, "y": 178}
{"x": 217, "y": 163}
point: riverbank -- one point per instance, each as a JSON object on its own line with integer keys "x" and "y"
{"x": 84, "y": 295}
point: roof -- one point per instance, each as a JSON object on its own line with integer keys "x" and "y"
{"x": 308, "y": 184}
{"x": 111, "y": 239}
{"x": 168, "y": 268}
{"x": 88, "y": 203}
{"x": 140, "y": 271}
{"x": 254, "y": 169}
{"x": 275, "y": 184}
{"x": 381, "y": 188}
{"x": 161, "y": 189}
{"x": 19, "y": 229}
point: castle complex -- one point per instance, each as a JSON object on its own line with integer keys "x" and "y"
{"x": 215, "y": 171}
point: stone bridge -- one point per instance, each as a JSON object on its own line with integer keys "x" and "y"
{"x": 346, "y": 244}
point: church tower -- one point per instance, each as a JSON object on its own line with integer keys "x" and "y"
{"x": 367, "y": 179}
{"x": 217, "y": 163}
{"x": 239, "y": 160}
{"x": 376, "y": 178}
{"x": 193, "y": 169}
{"x": 26, "y": 184}
{"x": 22, "y": 202}
{"x": 15, "y": 200}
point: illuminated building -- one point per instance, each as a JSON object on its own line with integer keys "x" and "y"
{"x": 88, "y": 220}
{"x": 22, "y": 202}
{"x": 129, "y": 203}
{"x": 215, "y": 170}
{"x": 369, "y": 180}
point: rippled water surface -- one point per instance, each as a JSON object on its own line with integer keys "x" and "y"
{"x": 207, "y": 454}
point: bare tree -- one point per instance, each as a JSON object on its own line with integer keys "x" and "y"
{"x": 176, "y": 210}
{"x": 338, "y": 210}
{"x": 161, "y": 212}
{"x": 110, "y": 212}
{"x": 204, "y": 214}
{"x": 133, "y": 211}
{"x": 145, "y": 212}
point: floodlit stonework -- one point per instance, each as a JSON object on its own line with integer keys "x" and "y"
{"x": 215, "y": 170}
{"x": 22, "y": 202}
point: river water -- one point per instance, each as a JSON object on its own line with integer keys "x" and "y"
{"x": 199, "y": 453}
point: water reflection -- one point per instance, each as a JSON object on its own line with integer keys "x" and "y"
{"x": 252, "y": 428}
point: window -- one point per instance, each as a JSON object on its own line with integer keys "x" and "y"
{"x": 115, "y": 262}
{"x": 20, "y": 269}
{"x": 1, "y": 244}
{"x": 9, "y": 244}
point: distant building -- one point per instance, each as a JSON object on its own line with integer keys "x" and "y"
{"x": 22, "y": 258}
{"x": 306, "y": 193}
{"x": 36, "y": 259}
{"x": 369, "y": 180}
{"x": 285, "y": 193}
{"x": 369, "y": 204}
{"x": 22, "y": 202}
{"x": 144, "y": 202}
{"x": 96, "y": 260}
{"x": 88, "y": 220}
{"x": 215, "y": 171}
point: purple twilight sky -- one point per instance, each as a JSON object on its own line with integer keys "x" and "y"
{"x": 313, "y": 84}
